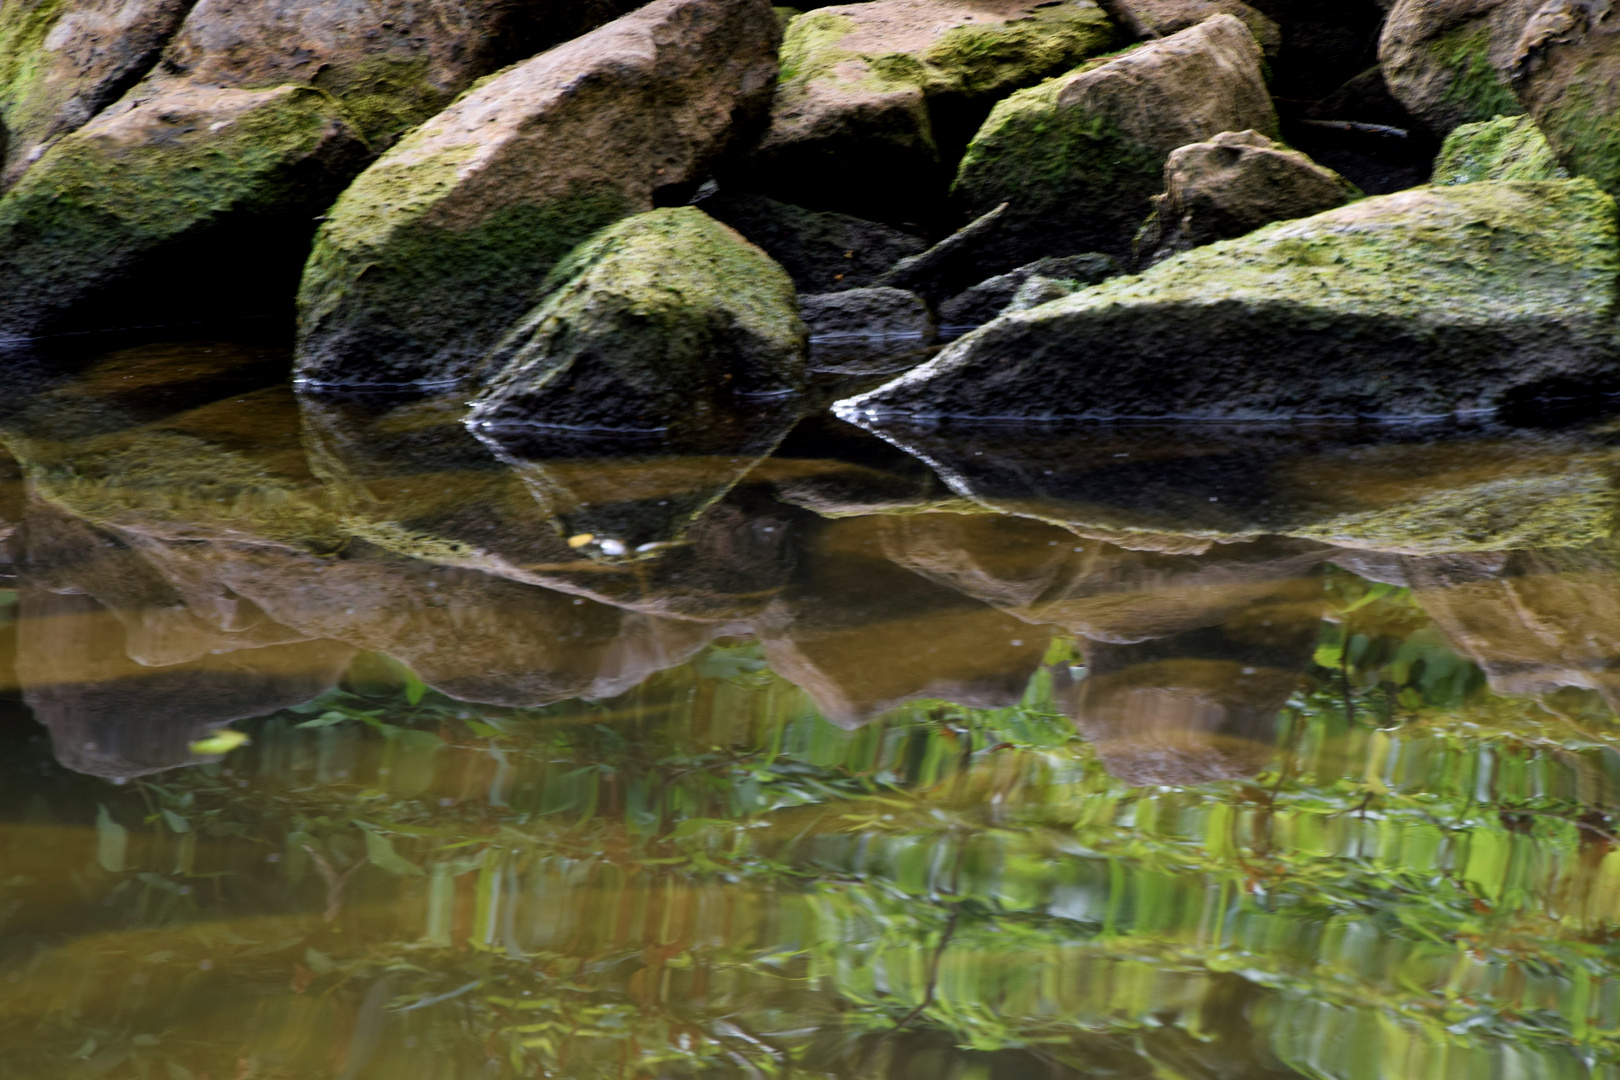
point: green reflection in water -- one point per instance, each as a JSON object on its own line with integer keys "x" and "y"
{"x": 703, "y": 877}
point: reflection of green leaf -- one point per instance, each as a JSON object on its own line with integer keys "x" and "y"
{"x": 385, "y": 858}
{"x": 175, "y": 822}
{"x": 326, "y": 719}
{"x": 112, "y": 842}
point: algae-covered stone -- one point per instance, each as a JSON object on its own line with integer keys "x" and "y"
{"x": 653, "y": 324}
{"x": 1078, "y": 157}
{"x": 863, "y": 86}
{"x": 1231, "y": 185}
{"x": 1506, "y": 148}
{"x": 1448, "y": 61}
{"x": 433, "y": 253}
{"x": 989, "y": 298}
{"x": 63, "y": 61}
{"x": 1566, "y": 72}
{"x": 124, "y": 212}
{"x": 1426, "y": 302}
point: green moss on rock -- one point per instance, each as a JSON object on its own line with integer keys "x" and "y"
{"x": 1476, "y": 88}
{"x": 1506, "y": 148}
{"x": 143, "y": 177}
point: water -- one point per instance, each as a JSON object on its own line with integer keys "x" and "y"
{"x": 342, "y": 741}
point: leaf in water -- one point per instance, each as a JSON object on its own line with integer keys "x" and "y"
{"x": 112, "y": 842}
{"x": 175, "y": 822}
{"x": 385, "y": 858}
{"x": 415, "y": 688}
{"x": 318, "y": 962}
{"x": 326, "y": 719}
{"x": 86, "y": 1050}
{"x": 220, "y": 742}
{"x": 481, "y": 729}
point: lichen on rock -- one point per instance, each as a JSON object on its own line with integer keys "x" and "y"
{"x": 1506, "y": 148}
{"x": 1078, "y": 157}
{"x": 1566, "y": 72}
{"x": 1448, "y": 61}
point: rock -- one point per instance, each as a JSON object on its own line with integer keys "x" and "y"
{"x": 821, "y": 252}
{"x": 1232, "y": 185}
{"x": 112, "y": 717}
{"x": 657, "y": 324}
{"x": 1566, "y": 73}
{"x": 1447, "y": 61}
{"x": 867, "y": 330}
{"x": 952, "y": 264}
{"x": 118, "y": 221}
{"x": 484, "y": 199}
{"x": 874, "y": 95}
{"x": 861, "y": 636}
{"x": 62, "y": 63}
{"x": 1423, "y": 303}
{"x": 1039, "y": 290}
{"x": 1162, "y": 18}
{"x": 989, "y": 298}
{"x": 1506, "y": 148}
{"x": 1078, "y": 157}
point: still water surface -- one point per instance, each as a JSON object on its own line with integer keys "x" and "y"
{"x": 338, "y": 740}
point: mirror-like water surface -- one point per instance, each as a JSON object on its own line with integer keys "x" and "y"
{"x": 343, "y": 740}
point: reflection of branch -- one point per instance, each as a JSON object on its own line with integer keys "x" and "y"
{"x": 334, "y": 883}
{"x": 933, "y": 971}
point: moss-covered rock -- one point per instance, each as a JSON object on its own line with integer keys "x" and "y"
{"x": 1427, "y": 302}
{"x": 433, "y": 253}
{"x": 123, "y": 213}
{"x": 1448, "y": 61}
{"x": 1079, "y": 157}
{"x": 1506, "y": 148}
{"x": 1231, "y": 185}
{"x": 1566, "y": 72}
{"x": 63, "y": 61}
{"x": 876, "y": 98}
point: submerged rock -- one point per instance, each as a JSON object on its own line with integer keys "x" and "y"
{"x": 1448, "y": 61}
{"x": 1506, "y": 148}
{"x": 1162, "y": 18}
{"x": 1078, "y": 157}
{"x": 867, "y": 330}
{"x": 62, "y": 63}
{"x": 870, "y": 91}
{"x": 1566, "y": 72}
{"x": 1232, "y": 185}
{"x": 439, "y": 247}
{"x": 662, "y": 322}
{"x": 991, "y": 297}
{"x": 822, "y": 252}
{"x": 1427, "y": 302}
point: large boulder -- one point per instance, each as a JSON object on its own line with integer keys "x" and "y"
{"x": 1079, "y": 157}
{"x": 1161, "y": 18}
{"x": 1448, "y": 61}
{"x": 1232, "y": 185}
{"x": 1506, "y": 148}
{"x": 126, "y": 219}
{"x": 1423, "y": 303}
{"x": 62, "y": 63}
{"x": 870, "y": 92}
{"x": 656, "y": 323}
{"x": 1566, "y": 72}
{"x": 439, "y": 247}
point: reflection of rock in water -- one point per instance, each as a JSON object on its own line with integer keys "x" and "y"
{"x": 472, "y": 635}
{"x": 111, "y": 716}
{"x": 1047, "y": 575}
{"x": 861, "y": 635}
{"x": 1197, "y": 706}
{"x": 1534, "y": 621}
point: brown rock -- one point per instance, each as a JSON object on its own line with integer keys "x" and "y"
{"x": 1161, "y": 18}
{"x": 1231, "y": 185}
{"x": 1566, "y": 71}
{"x": 1447, "y": 61}
{"x": 438, "y": 248}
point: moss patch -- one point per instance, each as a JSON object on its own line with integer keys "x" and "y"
{"x": 1477, "y": 90}
{"x": 24, "y": 25}
{"x": 385, "y": 96}
{"x": 1506, "y": 148}
{"x": 1585, "y": 125}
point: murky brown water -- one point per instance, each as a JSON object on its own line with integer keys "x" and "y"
{"x": 339, "y": 740}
